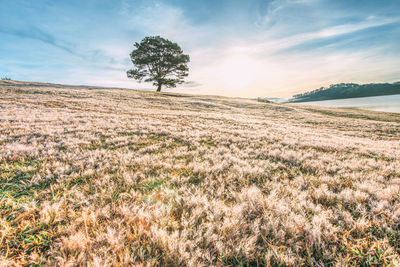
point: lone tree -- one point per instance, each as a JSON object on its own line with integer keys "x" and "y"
{"x": 160, "y": 61}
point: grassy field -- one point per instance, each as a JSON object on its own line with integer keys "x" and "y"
{"x": 118, "y": 177}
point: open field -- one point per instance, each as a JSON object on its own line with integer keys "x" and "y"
{"x": 117, "y": 177}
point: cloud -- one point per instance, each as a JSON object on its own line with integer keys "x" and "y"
{"x": 86, "y": 56}
{"x": 152, "y": 18}
{"x": 191, "y": 84}
{"x": 273, "y": 45}
{"x": 277, "y": 72}
{"x": 33, "y": 32}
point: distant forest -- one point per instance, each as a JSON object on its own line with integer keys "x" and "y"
{"x": 348, "y": 90}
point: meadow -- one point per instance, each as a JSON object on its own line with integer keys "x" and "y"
{"x": 93, "y": 176}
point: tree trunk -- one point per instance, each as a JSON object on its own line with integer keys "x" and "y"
{"x": 159, "y": 87}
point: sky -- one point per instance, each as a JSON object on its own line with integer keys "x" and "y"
{"x": 248, "y": 48}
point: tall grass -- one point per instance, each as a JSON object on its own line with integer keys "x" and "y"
{"x": 118, "y": 177}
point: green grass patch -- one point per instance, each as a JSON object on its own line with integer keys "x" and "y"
{"x": 151, "y": 185}
{"x": 24, "y": 238}
{"x": 145, "y": 141}
{"x": 22, "y": 232}
{"x": 209, "y": 143}
{"x": 15, "y": 177}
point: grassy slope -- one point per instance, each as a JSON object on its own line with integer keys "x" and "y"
{"x": 120, "y": 176}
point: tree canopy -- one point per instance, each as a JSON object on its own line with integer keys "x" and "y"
{"x": 159, "y": 61}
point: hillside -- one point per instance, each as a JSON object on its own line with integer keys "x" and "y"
{"x": 100, "y": 177}
{"x": 348, "y": 90}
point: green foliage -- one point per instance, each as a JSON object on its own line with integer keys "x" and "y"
{"x": 159, "y": 61}
{"x": 348, "y": 90}
{"x": 6, "y": 79}
{"x": 260, "y": 99}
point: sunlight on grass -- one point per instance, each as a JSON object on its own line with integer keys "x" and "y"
{"x": 122, "y": 177}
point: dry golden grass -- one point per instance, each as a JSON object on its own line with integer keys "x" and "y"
{"x": 118, "y": 177}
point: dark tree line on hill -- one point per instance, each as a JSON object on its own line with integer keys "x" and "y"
{"x": 348, "y": 90}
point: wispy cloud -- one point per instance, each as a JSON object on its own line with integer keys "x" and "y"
{"x": 33, "y": 32}
{"x": 272, "y": 45}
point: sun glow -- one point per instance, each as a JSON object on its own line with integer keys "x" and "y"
{"x": 238, "y": 71}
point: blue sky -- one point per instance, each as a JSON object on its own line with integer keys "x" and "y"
{"x": 238, "y": 48}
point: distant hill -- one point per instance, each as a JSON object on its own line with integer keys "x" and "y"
{"x": 348, "y": 90}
